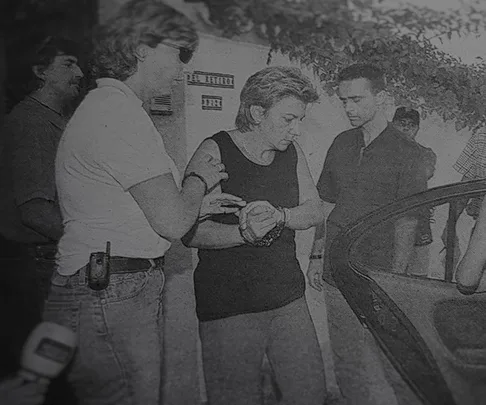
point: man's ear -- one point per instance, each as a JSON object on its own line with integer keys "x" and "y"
{"x": 257, "y": 113}
{"x": 38, "y": 71}
{"x": 381, "y": 97}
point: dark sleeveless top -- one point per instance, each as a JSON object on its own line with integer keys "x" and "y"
{"x": 247, "y": 279}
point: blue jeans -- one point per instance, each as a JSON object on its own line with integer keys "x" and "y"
{"x": 120, "y": 335}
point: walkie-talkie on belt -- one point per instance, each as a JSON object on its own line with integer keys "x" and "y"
{"x": 99, "y": 269}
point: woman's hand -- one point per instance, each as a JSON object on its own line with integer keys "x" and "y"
{"x": 220, "y": 203}
{"x": 257, "y": 218}
{"x": 260, "y": 207}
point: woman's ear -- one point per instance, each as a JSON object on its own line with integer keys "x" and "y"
{"x": 141, "y": 52}
{"x": 257, "y": 113}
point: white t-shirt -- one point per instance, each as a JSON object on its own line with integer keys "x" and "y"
{"x": 109, "y": 145}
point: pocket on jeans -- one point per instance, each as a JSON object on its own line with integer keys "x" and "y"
{"x": 64, "y": 313}
{"x": 125, "y": 286}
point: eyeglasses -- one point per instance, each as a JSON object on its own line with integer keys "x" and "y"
{"x": 185, "y": 54}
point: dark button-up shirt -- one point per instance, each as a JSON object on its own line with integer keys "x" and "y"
{"x": 360, "y": 179}
{"x": 29, "y": 141}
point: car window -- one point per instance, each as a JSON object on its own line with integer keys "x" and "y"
{"x": 418, "y": 242}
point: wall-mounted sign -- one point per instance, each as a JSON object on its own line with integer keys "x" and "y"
{"x": 220, "y": 80}
{"x": 161, "y": 105}
{"x": 212, "y": 102}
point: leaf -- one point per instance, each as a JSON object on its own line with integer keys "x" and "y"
{"x": 459, "y": 125}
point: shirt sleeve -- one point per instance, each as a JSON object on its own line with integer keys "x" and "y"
{"x": 132, "y": 150}
{"x": 33, "y": 158}
{"x": 326, "y": 185}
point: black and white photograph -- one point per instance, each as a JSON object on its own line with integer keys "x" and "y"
{"x": 243, "y": 202}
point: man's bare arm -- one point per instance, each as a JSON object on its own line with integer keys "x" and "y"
{"x": 404, "y": 239}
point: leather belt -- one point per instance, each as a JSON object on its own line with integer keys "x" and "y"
{"x": 120, "y": 264}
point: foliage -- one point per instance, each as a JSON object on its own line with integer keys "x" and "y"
{"x": 328, "y": 35}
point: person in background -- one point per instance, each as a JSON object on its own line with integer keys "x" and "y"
{"x": 30, "y": 224}
{"x": 32, "y": 131}
{"x": 248, "y": 283}
{"x": 117, "y": 184}
{"x": 472, "y": 165}
{"x": 360, "y": 175}
{"x": 30, "y": 137}
{"x": 407, "y": 121}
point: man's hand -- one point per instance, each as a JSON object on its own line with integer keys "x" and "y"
{"x": 220, "y": 203}
{"x": 211, "y": 169}
{"x": 314, "y": 274}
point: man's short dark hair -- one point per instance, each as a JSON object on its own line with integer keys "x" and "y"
{"x": 372, "y": 73}
{"x": 45, "y": 52}
{"x": 405, "y": 113}
{"x": 40, "y": 54}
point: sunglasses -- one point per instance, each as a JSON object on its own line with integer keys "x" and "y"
{"x": 185, "y": 54}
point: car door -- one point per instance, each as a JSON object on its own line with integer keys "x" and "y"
{"x": 433, "y": 335}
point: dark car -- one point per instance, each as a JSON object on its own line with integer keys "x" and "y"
{"x": 433, "y": 334}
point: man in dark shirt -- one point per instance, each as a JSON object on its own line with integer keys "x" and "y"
{"x": 30, "y": 221}
{"x": 366, "y": 168}
{"x": 30, "y": 137}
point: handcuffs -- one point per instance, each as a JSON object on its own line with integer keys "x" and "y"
{"x": 272, "y": 234}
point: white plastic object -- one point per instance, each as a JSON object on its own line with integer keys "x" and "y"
{"x": 47, "y": 351}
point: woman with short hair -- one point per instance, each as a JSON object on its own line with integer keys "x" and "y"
{"x": 249, "y": 286}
